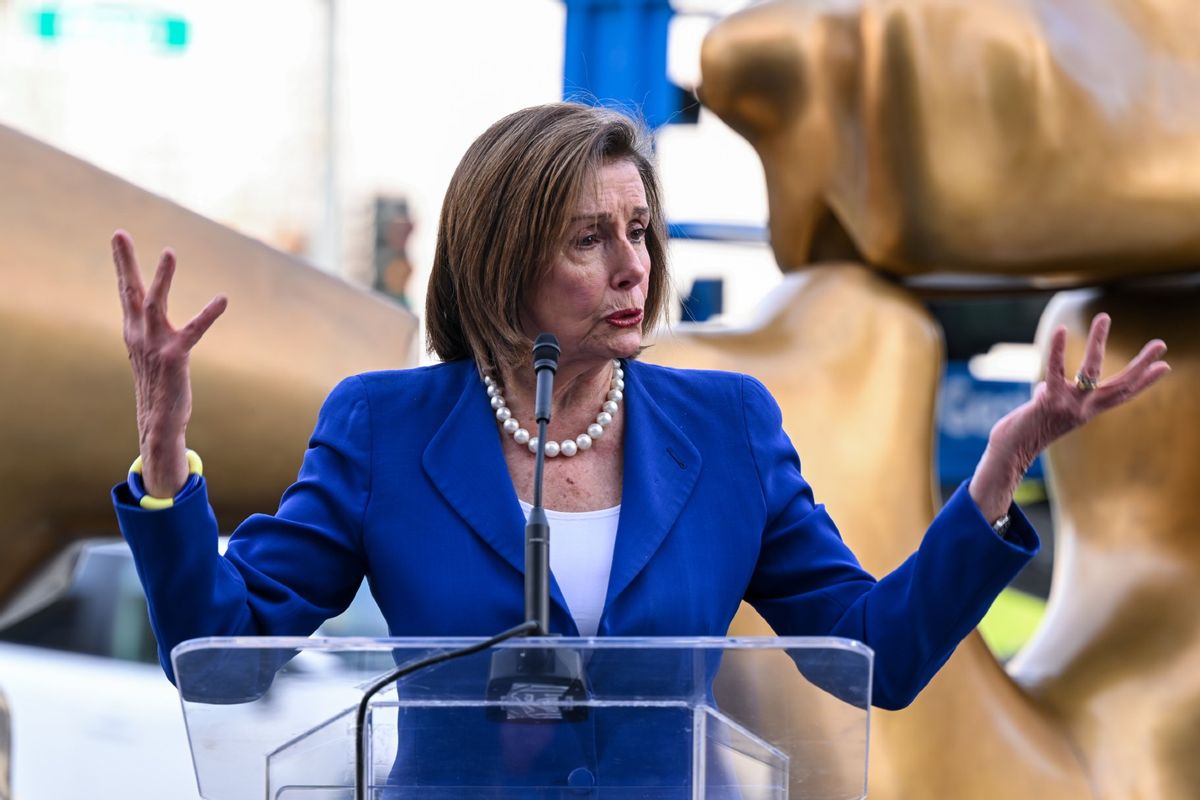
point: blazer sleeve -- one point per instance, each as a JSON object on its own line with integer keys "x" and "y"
{"x": 807, "y": 582}
{"x": 282, "y": 574}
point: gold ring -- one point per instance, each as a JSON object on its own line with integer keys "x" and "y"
{"x": 1084, "y": 382}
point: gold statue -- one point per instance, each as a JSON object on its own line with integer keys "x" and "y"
{"x": 1048, "y": 144}
{"x": 5, "y": 751}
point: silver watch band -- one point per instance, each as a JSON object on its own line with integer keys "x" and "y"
{"x": 1002, "y": 525}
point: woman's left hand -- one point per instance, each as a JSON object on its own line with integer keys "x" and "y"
{"x": 1059, "y": 405}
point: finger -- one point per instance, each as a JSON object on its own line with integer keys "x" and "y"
{"x": 1093, "y": 355}
{"x": 1151, "y": 352}
{"x": 1110, "y": 396}
{"x": 160, "y": 287}
{"x": 1153, "y": 373}
{"x": 1056, "y": 359}
{"x": 191, "y": 333}
{"x": 129, "y": 276}
{"x": 1130, "y": 380}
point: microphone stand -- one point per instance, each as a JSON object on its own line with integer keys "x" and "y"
{"x": 530, "y": 684}
{"x": 524, "y": 684}
{"x": 537, "y": 529}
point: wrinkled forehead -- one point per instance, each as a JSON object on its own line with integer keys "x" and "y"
{"x": 614, "y": 186}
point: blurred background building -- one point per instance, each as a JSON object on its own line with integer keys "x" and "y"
{"x": 288, "y": 119}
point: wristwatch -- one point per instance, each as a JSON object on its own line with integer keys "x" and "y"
{"x": 1002, "y": 525}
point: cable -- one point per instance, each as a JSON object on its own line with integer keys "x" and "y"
{"x": 360, "y": 766}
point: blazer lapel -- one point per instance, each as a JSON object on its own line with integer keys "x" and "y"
{"x": 661, "y": 469}
{"x": 479, "y": 490}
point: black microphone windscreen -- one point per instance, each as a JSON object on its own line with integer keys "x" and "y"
{"x": 545, "y": 352}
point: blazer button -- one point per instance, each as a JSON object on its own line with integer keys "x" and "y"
{"x": 581, "y": 780}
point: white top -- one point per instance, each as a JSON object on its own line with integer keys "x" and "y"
{"x": 581, "y": 554}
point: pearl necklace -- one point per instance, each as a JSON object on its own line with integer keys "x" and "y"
{"x": 567, "y": 447}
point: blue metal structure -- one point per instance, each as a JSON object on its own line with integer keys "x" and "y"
{"x": 616, "y": 56}
{"x": 733, "y": 232}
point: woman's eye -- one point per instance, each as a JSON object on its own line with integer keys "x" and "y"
{"x": 587, "y": 240}
{"x": 638, "y": 234}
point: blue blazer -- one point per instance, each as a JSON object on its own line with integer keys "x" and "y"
{"x": 404, "y": 482}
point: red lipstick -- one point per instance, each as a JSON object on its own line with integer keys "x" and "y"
{"x": 625, "y": 318}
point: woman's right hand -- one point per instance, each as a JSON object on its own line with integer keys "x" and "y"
{"x": 159, "y": 356}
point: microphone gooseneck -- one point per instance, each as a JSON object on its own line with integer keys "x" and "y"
{"x": 537, "y": 530}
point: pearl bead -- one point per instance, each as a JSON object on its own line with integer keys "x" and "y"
{"x": 568, "y": 447}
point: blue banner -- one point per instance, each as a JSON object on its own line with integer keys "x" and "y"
{"x": 967, "y": 410}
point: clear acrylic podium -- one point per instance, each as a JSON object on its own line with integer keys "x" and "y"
{"x": 753, "y": 718}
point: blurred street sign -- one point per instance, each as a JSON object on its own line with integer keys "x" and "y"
{"x": 120, "y": 25}
{"x": 967, "y": 410}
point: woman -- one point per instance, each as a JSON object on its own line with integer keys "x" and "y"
{"x": 678, "y": 494}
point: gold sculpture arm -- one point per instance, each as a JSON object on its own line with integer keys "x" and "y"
{"x": 68, "y": 429}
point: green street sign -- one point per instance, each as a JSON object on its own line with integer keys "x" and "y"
{"x": 158, "y": 30}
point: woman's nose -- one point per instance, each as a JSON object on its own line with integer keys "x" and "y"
{"x": 629, "y": 268}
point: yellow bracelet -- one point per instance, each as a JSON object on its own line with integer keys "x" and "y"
{"x": 151, "y": 503}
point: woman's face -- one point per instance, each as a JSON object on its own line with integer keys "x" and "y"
{"x": 594, "y": 297}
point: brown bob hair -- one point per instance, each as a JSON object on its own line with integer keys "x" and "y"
{"x": 505, "y": 219}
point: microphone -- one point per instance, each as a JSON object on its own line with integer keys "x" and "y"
{"x": 545, "y": 364}
{"x": 537, "y": 530}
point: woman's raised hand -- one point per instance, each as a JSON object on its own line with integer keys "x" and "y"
{"x": 1059, "y": 405}
{"x": 159, "y": 356}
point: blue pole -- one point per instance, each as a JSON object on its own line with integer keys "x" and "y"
{"x": 616, "y": 56}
